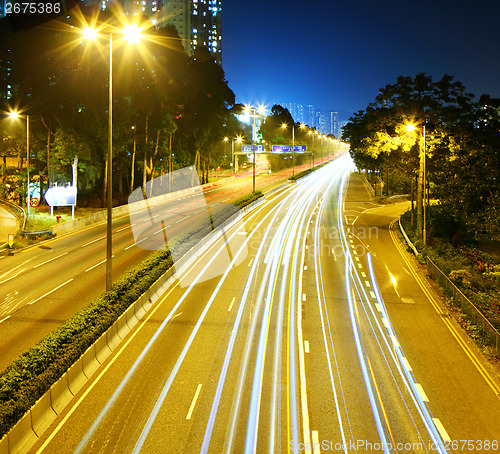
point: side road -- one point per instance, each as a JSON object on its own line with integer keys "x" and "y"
{"x": 460, "y": 385}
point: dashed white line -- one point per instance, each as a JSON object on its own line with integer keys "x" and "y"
{"x": 53, "y": 258}
{"x": 421, "y": 391}
{"x": 250, "y": 263}
{"x": 97, "y": 264}
{"x": 306, "y": 346}
{"x": 303, "y": 296}
{"x": 93, "y": 241}
{"x": 367, "y": 283}
{"x": 372, "y": 294}
{"x": 52, "y": 291}
{"x": 315, "y": 442}
{"x": 442, "y": 431}
{"x": 5, "y": 318}
{"x": 193, "y": 403}
{"x": 407, "y": 364}
{"x": 231, "y": 305}
{"x": 123, "y": 228}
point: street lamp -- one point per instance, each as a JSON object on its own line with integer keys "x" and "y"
{"x": 15, "y": 114}
{"x": 132, "y": 34}
{"x": 284, "y": 126}
{"x": 421, "y": 210}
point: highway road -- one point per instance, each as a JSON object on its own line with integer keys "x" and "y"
{"x": 286, "y": 337}
{"x": 44, "y": 285}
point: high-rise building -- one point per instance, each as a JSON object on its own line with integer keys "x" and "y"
{"x": 199, "y": 23}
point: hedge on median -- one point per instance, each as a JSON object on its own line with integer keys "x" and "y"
{"x": 31, "y": 375}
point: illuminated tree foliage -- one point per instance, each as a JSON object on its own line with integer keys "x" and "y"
{"x": 462, "y": 144}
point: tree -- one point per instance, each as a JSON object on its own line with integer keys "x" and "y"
{"x": 378, "y": 137}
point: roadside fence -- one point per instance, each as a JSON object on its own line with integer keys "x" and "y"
{"x": 487, "y": 334}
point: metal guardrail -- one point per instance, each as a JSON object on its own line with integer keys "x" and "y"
{"x": 16, "y": 210}
{"x": 408, "y": 241}
{"x": 487, "y": 334}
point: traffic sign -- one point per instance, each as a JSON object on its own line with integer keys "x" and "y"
{"x": 61, "y": 196}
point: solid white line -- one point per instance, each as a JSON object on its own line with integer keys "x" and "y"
{"x": 306, "y": 346}
{"x": 232, "y": 302}
{"x": 48, "y": 293}
{"x": 442, "y": 431}
{"x": 93, "y": 241}
{"x": 193, "y": 403}
{"x": 315, "y": 442}
{"x": 53, "y": 258}
{"x": 421, "y": 391}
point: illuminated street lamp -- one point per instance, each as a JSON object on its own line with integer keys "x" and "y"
{"x": 15, "y": 114}
{"x": 421, "y": 210}
{"x": 284, "y": 126}
{"x": 131, "y": 34}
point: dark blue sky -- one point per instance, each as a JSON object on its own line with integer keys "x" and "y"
{"x": 337, "y": 54}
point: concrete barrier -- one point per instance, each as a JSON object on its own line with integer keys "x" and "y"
{"x": 4, "y": 444}
{"x": 121, "y": 326}
{"x": 89, "y": 361}
{"x": 132, "y": 320}
{"x": 21, "y": 436}
{"x": 102, "y": 349}
{"x": 112, "y": 336}
{"x": 42, "y": 415}
{"x": 60, "y": 395}
{"x": 76, "y": 377}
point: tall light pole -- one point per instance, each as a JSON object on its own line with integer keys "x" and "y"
{"x": 284, "y": 125}
{"x": 421, "y": 209}
{"x": 252, "y": 109}
{"x": 132, "y": 34}
{"x": 15, "y": 114}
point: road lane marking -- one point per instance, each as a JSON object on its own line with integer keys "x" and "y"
{"x": 407, "y": 364}
{"x": 93, "y": 241}
{"x": 372, "y": 294}
{"x": 52, "y": 291}
{"x": 315, "y": 442}
{"x": 306, "y": 346}
{"x": 441, "y": 429}
{"x": 421, "y": 391}
{"x": 305, "y": 267}
{"x": 385, "y": 322}
{"x": 123, "y": 228}
{"x": 5, "y": 318}
{"x": 363, "y": 274}
{"x": 303, "y": 296}
{"x": 232, "y": 302}
{"x": 50, "y": 260}
{"x": 356, "y": 258}
{"x": 250, "y": 263}
{"x": 193, "y": 403}
{"x": 367, "y": 283}
{"x": 96, "y": 265}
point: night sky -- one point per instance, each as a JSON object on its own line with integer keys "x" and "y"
{"x": 337, "y": 54}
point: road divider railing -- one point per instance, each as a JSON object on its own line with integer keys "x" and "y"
{"x": 485, "y": 332}
{"x": 31, "y": 425}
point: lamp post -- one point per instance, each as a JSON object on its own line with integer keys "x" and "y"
{"x": 132, "y": 34}
{"x": 421, "y": 209}
{"x": 238, "y": 139}
{"x": 15, "y": 114}
{"x": 284, "y": 126}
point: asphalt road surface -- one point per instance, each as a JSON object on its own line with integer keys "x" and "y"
{"x": 293, "y": 333}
